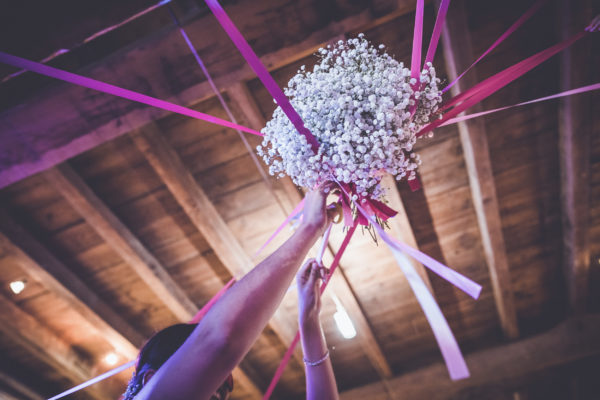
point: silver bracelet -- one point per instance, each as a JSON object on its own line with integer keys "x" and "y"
{"x": 318, "y": 362}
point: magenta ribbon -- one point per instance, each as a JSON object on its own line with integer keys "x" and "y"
{"x": 116, "y": 91}
{"x": 571, "y": 92}
{"x": 260, "y": 70}
{"x": 437, "y": 31}
{"x": 528, "y": 14}
{"x": 489, "y": 86}
{"x": 415, "y": 64}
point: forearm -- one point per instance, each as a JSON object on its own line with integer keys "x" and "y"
{"x": 247, "y": 307}
{"x": 320, "y": 380}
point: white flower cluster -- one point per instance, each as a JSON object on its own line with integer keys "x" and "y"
{"x": 360, "y": 105}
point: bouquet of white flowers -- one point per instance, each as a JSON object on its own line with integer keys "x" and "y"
{"x": 364, "y": 110}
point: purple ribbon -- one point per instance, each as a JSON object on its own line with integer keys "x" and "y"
{"x": 528, "y": 14}
{"x": 116, "y": 91}
{"x": 455, "y": 362}
{"x": 262, "y": 73}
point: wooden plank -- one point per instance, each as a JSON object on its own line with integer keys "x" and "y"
{"x": 457, "y": 53}
{"x": 506, "y": 366}
{"x": 45, "y": 268}
{"x": 59, "y": 142}
{"x": 244, "y": 101}
{"x": 17, "y": 387}
{"x": 575, "y": 131}
{"x": 25, "y": 330}
{"x": 64, "y": 179}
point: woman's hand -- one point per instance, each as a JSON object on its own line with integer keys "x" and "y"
{"x": 308, "y": 280}
{"x": 316, "y": 216}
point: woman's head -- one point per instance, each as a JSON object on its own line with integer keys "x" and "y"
{"x": 157, "y": 351}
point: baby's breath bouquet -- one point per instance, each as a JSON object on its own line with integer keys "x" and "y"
{"x": 364, "y": 110}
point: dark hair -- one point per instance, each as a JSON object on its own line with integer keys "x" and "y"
{"x": 156, "y": 352}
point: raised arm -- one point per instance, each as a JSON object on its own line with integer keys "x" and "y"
{"x": 320, "y": 380}
{"x": 229, "y": 329}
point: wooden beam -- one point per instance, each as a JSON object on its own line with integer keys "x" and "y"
{"x": 42, "y": 266}
{"x": 28, "y": 333}
{"x": 77, "y": 120}
{"x": 457, "y": 53}
{"x": 15, "y": 386}
{"x": 506, "y": 366}
{"x": 121, "y": 239}
{"x": 575, "y": 130}
{"x": 115, "y": 330}
{"x": 339, "y": 284}
{"x": 196, "y": 204}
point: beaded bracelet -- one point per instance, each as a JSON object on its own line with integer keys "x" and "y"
{"x": 318, "y": 362}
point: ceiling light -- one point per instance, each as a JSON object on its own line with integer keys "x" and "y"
{"x": 111, "y": 359}
{"x": 342, "y": 319}
{"x": 17, "y": 286}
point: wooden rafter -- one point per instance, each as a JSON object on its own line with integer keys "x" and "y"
{"x": 121, "y": 239}
{"x": 196, "y": 204}
{"x": 45, "y": 268}
{"x": 506, "y": 366}
{"x": 123, "y": 119}
{"x": 15, "y": 386}
{"x": 244, "y": 101}
{"x": 574, "y": 154}
{"x": 32, "y": 255}
{"x": 26, "y": 331}
{"x": 457, "y": 53}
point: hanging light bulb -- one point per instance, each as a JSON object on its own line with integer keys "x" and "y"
{"x": 17, "y": 286}
{"x": 111, "y": 359}
{"x": 342, "y": 319}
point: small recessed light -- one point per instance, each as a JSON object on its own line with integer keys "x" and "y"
{"x": 111, "y": 359}
{"x": 17, "y": 286}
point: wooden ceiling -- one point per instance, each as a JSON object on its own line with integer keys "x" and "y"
{"x": 123, "y": 219}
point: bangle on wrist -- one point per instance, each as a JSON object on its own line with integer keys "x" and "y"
{"x": 318, "y": 362}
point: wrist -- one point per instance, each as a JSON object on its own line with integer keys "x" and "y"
{"x": 309, "y": 323}
{"x": 310, "y": 229}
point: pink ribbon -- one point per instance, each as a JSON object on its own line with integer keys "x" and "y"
{"x": 116, "y": 91}
{"x": 498, "y": 81}
{"x": 290, "y": 351}
{"x": 299, "y": 208}
{"x": 457, "y": 368}
{"x": 437, "y": 31}
{"x": 571, "y": 92}
{"x": 260, "y": 70}
{"x": 528, "y": 14}
{"x": 415, "y": 64}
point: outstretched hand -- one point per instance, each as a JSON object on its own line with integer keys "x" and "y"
{"x": 316, "y": 215}
{"x": 308, "y": 280}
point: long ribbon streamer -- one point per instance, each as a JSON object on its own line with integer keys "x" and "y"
{"x": 97, "y": 379}
{"x": 116, "y": 91}
{"x": 528, "y": 14}
{"x": 415, "y": 64}
{"x": 437, "y": 31}
{"x": 260, "y": 70}
{"x": 571, "y": 92}
{"x": 290, "y": 351}
{"x": 455, "y": 362}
